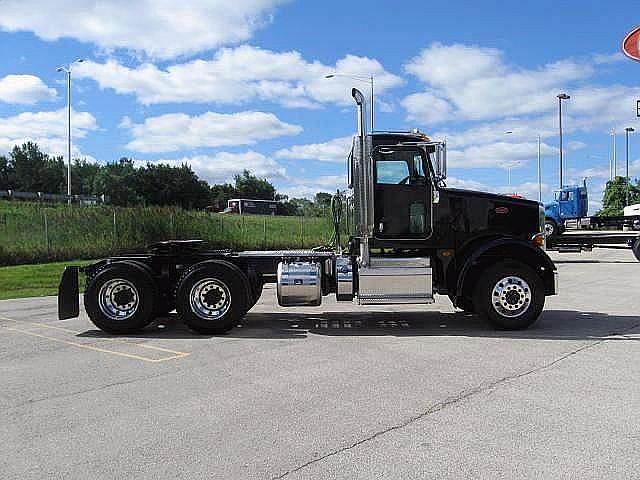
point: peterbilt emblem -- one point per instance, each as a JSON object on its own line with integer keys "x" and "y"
{"x": 502, "y": 210}
{"x": 631, "y": 44}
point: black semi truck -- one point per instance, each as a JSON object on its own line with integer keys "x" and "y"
{"x": 412, "y": 238}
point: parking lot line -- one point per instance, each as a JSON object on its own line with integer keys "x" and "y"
{"x": 175, "y": 354}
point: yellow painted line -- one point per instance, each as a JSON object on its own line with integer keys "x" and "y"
{"x": 175, "y": 353}
{"x": 111, "y": 340}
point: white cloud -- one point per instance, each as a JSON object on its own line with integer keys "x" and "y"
{"x": 47, "y": 129}
{"x": 222, "y": 166}
{"x": 335, "y": 151}
{"x": 24, "y": 89}
{"x": 159, "y": 28}
{"x": 497, "y": 155}
{"x": 470, "y": 82}
{"x": 239, "y": 75}
{"x": 427, "y": 107}
{"x": 476, "y": 85}
{"x": 607, "y": 58}
{"x": 307, "y": 188}
{"x": 179, "y": 131}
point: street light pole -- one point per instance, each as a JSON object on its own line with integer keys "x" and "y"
{"x": 361, "y": 78}
{"x": 510, "y": 132}
{"x": 561, "y": 96}
{"x": 67, "y": 71}
{"x": 69, "y": 136}
{"x": 539, "y": 173}
{"x": 372, "y": 101}
{"x": 612, "y": 165}
{"x": 628, "y": 130}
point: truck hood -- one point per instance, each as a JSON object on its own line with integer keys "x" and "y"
{"x": 494, "y": 196}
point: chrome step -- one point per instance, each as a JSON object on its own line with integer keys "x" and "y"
{"x": 395, "y": 280}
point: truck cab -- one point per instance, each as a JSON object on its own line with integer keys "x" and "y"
{"x": 569, "y": 203}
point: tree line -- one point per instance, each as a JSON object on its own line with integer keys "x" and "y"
{"x": 615, "y": 196}
{"x": 26, "y": 168}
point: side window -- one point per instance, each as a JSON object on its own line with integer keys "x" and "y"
{"x": 417, "y": 165}
{"x": 391, "y": 171}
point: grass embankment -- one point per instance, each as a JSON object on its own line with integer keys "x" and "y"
{"x": 33, "y": 280}
{"x": 33, "y": 233}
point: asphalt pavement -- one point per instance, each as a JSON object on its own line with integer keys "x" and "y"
{"x": 334, "y": 392}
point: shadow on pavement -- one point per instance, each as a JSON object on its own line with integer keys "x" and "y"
{"x": 552, "y": 325}
{"x": 583, "y": 261}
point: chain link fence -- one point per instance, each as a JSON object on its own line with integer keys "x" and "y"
{"x": 34, "y": 233}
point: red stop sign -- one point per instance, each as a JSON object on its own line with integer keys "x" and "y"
{"x": 631, "y": 44}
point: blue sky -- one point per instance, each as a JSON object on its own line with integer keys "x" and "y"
{"x": 230, "y": 85}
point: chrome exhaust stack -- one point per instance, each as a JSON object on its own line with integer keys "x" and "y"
{"x": 362, "y": 180}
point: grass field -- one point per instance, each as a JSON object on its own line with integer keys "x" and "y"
{"x": 33, "y": 280}
{"x": 33, "y": 233}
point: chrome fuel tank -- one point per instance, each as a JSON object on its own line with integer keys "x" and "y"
{"x": 299, "y": 284}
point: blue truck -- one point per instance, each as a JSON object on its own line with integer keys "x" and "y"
{"x": 569, "y": 211}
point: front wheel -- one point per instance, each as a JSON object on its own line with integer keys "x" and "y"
{"x": 510, "y": 295}
{"x": 550, "y": 228}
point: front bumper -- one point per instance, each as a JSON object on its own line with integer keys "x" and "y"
{"x": 68, "y": 294}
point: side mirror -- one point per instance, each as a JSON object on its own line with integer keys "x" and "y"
{"x": 441, "y": 161}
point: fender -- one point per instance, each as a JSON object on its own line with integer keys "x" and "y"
{"x": 500, "y": 244}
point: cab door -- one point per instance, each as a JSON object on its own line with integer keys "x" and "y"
{"x": 567, "y": 204}
{"x": 402, "y": 193}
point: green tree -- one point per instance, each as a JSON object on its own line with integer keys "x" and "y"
{"x": 118, "y": 182}
{"x": 615, "y": 196}
{"x": 35, "y": 171}
{"x": 220, "y": 194}
{"x": 161, "y": 184}
{"x": 83, "y": 176}
{"x": 6, "y": 174}
{"x": 248, "y": 185}
{"x": 285, "y": 207}
{"x": 323, "y": 199}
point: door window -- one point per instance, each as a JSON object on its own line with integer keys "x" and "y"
{"x": 392, "y": 172}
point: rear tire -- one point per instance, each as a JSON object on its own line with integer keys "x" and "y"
{"x": 510, "y": 295}
{"x": 120, "y": 298}
{"x": 212, "y": 298}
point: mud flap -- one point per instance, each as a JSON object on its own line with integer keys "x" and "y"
{"x": 68, "y": 293}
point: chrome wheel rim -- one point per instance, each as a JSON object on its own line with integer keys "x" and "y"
{"x": 549, "y": 229}
{"x": 210, "y": 299}
{"x": 511, "y": 296}
{"x": 118, "y": 299}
